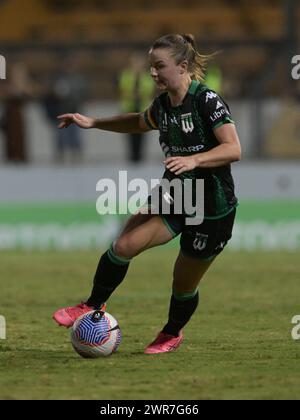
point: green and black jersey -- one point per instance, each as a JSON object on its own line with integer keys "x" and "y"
{"x": 189, "y": 129}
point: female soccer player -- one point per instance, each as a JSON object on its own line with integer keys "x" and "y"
{"x": 200, "y": 141}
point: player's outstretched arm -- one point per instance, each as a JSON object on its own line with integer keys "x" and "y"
{"x": 126, "y": 123}
{"x": 78, "y": 119}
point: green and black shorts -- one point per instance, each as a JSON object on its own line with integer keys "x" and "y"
{"x": 204, "y": 241}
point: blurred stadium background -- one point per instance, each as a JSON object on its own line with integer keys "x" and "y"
{"x": 48, "y": 202}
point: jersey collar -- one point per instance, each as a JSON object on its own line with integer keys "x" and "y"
{"x": 191, "y": 90}
{"x": 193, "y": 87}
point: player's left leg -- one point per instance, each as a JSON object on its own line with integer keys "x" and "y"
{"x": 199, "y": 247}
{"x": 184, "y": 301}
{"x": 188, "y": 273}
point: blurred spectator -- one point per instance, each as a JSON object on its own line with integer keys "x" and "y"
{"x": 17, "y": 89}
{"x": 66, "y": 92}
{"x": 136, "y": 93}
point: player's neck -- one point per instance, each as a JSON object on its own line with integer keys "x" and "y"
{"x": 177, "y": 96}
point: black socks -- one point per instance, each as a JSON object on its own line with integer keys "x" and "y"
{"x": 110, "y": 273}
{"x": 180, "y": 312}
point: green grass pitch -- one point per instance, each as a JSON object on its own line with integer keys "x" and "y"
{"x": 237, "y": 346}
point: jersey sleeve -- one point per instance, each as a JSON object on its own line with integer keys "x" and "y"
{"x": 151, "y": 115}
{"x": 214, "y": 109}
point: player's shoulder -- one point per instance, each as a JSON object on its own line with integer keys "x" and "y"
{"x": 205, "y": 94}
{"x": 208, "y": 100}
{"x": 201, "y": 88}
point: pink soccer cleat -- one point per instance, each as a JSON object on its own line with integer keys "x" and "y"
{"x": 67, "y": 316}
{"x": 164, "y": 343}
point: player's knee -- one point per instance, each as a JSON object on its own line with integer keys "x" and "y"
{"x": 124, "y": 247}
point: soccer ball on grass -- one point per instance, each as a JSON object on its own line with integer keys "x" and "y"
{"x": 95, "y": 334}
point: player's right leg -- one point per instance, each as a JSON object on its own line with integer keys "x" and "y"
{"x": 141, "y": 232}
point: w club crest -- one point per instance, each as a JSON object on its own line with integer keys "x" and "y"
{"x": 200, "y": 242}
{"x": 187, "y": 123}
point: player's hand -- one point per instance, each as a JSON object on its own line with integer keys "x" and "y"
{"x": 78, "y": 119}
{"x": 180, "y": 164}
